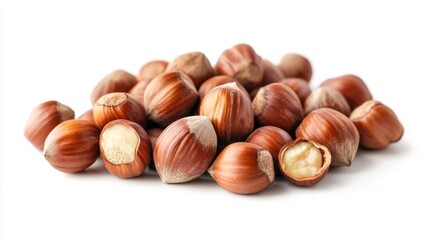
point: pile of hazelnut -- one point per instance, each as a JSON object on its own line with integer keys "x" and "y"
{"x": 244, "y": 121}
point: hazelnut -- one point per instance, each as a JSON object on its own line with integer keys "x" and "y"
{"x": 230, "y": 111}
{"x": 185, "y": 149}
{"x": 151, "y": 69}
{"x": 325, "y": 97}
{"x": 242, "y": 63}
{"x": 377, "y": 124}
{"x": 117, "y": 81}
{"x": 217, "y": 81}
{"x": 272, "y": 139}
{"x": 72, "y": 146}
{"x": 43, "y": 118}
{"x": 299, "y": 86}
{"x": 304, "y": 162}
{"x": 125, "y": 148}
{"x": 154, "y": 134}
{"x": 296, "y": 66}
{"x": 138, "y": 91}
{"x": 351, "y": 87}
{"x": 278, "y": 105}
{"x": 243, "y": 168}
{"x": 195, "y": 65}
{"x": 332, "y": 129}
{"x": 272, "y": 73}
{"x": 114, "y": 106}
{"x": 168, "y": 97}
{"x": 88, "y": 115}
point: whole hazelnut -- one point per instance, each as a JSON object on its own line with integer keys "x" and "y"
{"x": 185, "y": 149}
{"x": 195, "y": 65}
{"x": 151, "y": 69}
{"x": 272, "y": 139}
{"x": 43, "y": 118}
{"x": 296, "y": 66}
{"x": 125, "y": 148}
{"x": 243, "y": 168}
{"x": 230, "y": 111}
{"x": 304, "y": 162}
{"x": 117, "y": 81}
{"x": 334, "y": 130}
{"x": 242, "y": 63}
{"x": 168, "y": 97}
{"x": 299, "y": 86}
{"x": 351, "y": 87}
{"x": 278, "y": 105}
{"x": 272, "y": 73}
{"x": 325, "y": 97}
{"x": 88, "y": 115}
{"x": 72, "y": 146}
{"x": 377, "y": 124}
{"x": 217, "y": 81}
{"x": 138, "y": 91}
{"x": 118, "y": 105}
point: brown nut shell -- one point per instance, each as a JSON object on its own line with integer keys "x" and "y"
{"x": 377, "y": 124}
{"x": 185, "y": 149}
{"x": 72, "y": 146}
{"x": 299, "y": 86}
{"x": 151, "y": 69}
{"x": 243, "y": 168}
{"x": 114, "y": 106}
{"x": 43, "y": 118}
{"x": 217, "y": 81}
{"x": 272, "y": 139}
{"x": 169, "y": 97}
{"x": 325, "y": 97}
{"x": 242, "y": 63}
{"x": 116, "y": 81}
{"x": 195, "y": 65}
{"x": 333, "y": 130}
{"x": 125, "y": 148}
{"x": 351, "y": 87}
{"x": 278, "y": 105}
{"x": 272, "y": 73}
{"x": 296, "y": 66}
{"x": 304, "y": 162}
{"x": 230, "y": 111}
{"x": 88, "y": 115}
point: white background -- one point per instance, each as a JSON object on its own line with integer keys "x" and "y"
{"x": 61, "y": 49}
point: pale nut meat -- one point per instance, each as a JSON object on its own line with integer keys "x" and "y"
{"x": 185, "y": 149}
{"x": 377, "y": 124}
{"x": 304, "y": 162}
{"x": 125, "y": 148}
